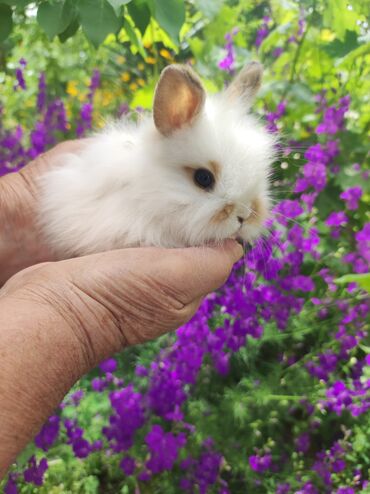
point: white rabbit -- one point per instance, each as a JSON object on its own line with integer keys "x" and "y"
{"x": 197, "y": 172}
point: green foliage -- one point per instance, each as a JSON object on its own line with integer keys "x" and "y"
{"x": 98, "y": 18}
{"x": 6, "y": 21}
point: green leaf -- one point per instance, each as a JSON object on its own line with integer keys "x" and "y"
{"x": 133, "y": 38}
{"x": 116, "y": 4}
{"x": 361, "y": 279}
{"x": 6, "y": 21}
{"x": 17, "y": 3}
{"x": 70, "y": 31}
{"x": 210, "y": 8}
{"x": 339, "y": 48}
{"x": 170, "y": 16}
{"x": 339, "y": 18}
{"x": 140, "y": 14}
{"x": 55, "y": 18}
{"x": 144, "y": 97}
{"x": 98, "y": 19}
{"x": 302, "y": 91}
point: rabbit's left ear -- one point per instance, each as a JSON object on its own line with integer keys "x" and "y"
{"x": 246, "y": 84}
{"x": 178, "y": 99}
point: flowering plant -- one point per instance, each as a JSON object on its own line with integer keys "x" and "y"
{"x": 267, "y": 388}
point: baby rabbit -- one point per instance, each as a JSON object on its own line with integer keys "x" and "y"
{"x": 194, "y": 172}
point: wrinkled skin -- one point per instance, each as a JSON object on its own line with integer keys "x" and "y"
{"x": 59, "y": 319}
{"x": 21, "y": 243}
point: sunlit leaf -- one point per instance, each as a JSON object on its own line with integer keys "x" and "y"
{"x": 363, "y": 280}
{"x": 140, "y": 14}
{"x": 170, "y": 16}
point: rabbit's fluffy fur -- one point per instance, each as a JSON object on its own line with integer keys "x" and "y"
{"x": 134, "y": 184}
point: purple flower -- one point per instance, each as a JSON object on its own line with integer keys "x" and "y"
{"x": 326, "y": 365}
{"x": 338, "y": 397}
{"x": 336, "y": 219}
{"x": 317, "y": 154}
{"x": 303, "y": 442}
{"x": 48, "y": 433}
{"x": 21, "y": 83}
{"x": 338, "y": 465}
{"x": 94, "y": 83}
{"x": 207, "y": 469}
{"x": 277, "y": 52}
{"x": 141, "y": 371}
{"x": 307, "y": 488}
{"x": 109, "y": 365}
{"x": 334, "y": 117}
{"x": 287, "y": 209}
{"x": 363, "y": 246}
{"x": 41, "y": 95}
{"x": 164, "y": 448}
{"x": 262, "y": 32}
{"x": 227, "y": 63}
{"x": 144, "y": 476}
{"x": 127, "y": 465}
{"x": 283, "y": 488}
{"x": 273, "y": 117}
{"x": 301, "y": 282}
{"x": 352, "y": 196}
{"x": 34, "y": 472}
{"x": 99, "y": 384}
{"x": 260, "y": 463}
{"x": 128, "y": 417}
{"x": 80, "y": 446}
{"x": 39, "y": 137}
{"x": 76, "y": 397}
{"x": 11, "y": 486}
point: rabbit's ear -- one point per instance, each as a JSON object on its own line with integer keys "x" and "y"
{"x": 178, "y": 99}
{"x": 246, "y": 84}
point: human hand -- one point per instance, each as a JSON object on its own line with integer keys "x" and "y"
{"x": 63, "y": 318}
{"x": 21, "y": 244}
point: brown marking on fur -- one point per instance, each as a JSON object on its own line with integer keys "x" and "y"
{"x": 179, "y": 97}
{"x": 259, "y": 212}
{"x": 224, "y": 213}
{"x": 215, "y": 168}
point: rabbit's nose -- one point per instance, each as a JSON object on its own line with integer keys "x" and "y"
{"x": 240, "y": 219}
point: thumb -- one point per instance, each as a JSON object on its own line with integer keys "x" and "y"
{"x": 196, "y": 271}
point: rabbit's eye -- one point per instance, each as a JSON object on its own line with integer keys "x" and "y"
{"x": 204, "y": 178}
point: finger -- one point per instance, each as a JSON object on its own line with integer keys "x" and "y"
{"x": 184, "y": 274}
{"x": 209, "y": 267}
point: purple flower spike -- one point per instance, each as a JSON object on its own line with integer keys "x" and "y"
{"x": 227, "y": 63}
